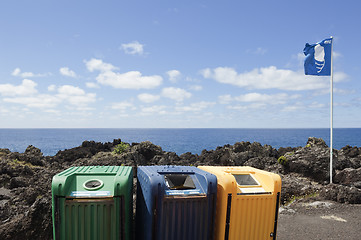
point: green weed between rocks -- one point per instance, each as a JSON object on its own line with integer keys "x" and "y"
{"x": 295, "y": 198}
{"x": 282, "y": 160}
{"x": 16, "y": 162}
{"x": 120, "y": 148}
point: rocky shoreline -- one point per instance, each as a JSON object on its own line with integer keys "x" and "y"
{"x": 25, "y": 178}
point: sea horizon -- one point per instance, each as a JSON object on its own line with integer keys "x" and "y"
{"x": 178, "y": 140}
{"x": 176, "y": 128}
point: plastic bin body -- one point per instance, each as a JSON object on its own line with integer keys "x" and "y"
{"x": 247, "y": 203}
{"x": 93, "y": 202}
{"x": 175, "y": 202}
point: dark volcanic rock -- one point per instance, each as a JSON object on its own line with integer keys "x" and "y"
{"x": 25, "y": 185}
{"x": 188, "y": 158}
{"x": 220, "y": 156}
{"x": 25, "y": 178}
{"x": 282, "y": 151}
{"x": 148, "y": 150}
{"x": 348, "y": 157}
{"x": 34, "y": 223}
{"x": 236, "y": 155}
{"x": 349, "y": 177}
{"x": 32, "y": 155}
{"x": 294, "y": 185}
{"x": 86, "y": 150}
{"x": 261, "y": 162}
{"x": 342, "y": 194}
{"x": 311, "y": 161}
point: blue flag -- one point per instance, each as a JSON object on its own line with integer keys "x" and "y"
{"x": 318, "y": 58}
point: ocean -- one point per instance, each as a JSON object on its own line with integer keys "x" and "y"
{"x": 177, "y": 140}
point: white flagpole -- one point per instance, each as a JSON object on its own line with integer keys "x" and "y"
{"x": 331, "y": 112}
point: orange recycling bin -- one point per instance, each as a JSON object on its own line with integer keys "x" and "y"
{"x": 247, "y": 203}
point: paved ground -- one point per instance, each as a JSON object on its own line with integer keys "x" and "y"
{"x": 319, "y": 220}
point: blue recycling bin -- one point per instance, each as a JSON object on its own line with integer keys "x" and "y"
{"x": 175, "y": 202}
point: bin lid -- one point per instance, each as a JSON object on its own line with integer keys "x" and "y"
{"x": 91, "y": 181}
{"x": 177, "y": 180}
{"x": 181, "y": 184}
{"x": 247, "y": 184}
{"x": 246, "y": 180}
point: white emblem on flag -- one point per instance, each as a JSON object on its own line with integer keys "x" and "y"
{"x": 319, "y": 57}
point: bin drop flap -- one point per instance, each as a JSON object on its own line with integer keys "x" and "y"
{"x": 248, "y": 184}
{"x": 181, "y": 184}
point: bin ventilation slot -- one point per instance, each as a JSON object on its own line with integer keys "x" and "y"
{"x": 93, "y": 184}
{"x": 179, "y": 181}
{"x": 245, "y": 180}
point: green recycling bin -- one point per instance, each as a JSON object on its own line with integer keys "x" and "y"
{"x": 93, "y": 202}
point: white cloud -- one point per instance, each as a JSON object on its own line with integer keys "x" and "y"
{"x": 292, "y": 108}
{"x": 301, "y": 58}
{"x": 27, "y": 94}
{"x": 66, "y": 94}
{"x": 176, "y": 94}
{"x": 91, "y": 85}
{"x": 254, "y": 97}
{"x": 75, "y": 95}
{"x": 195, "y": 107}
{"x": 339, "y": 76}
{"x": 148, "y": 98}
{"x": 133, "y": 48}
{"x": 335, "y": 91}
{"x": 123, "y": 106}
{"x": 53, "y": 111}
{"x": 38, "y": 101}
{"x": 27, "y": 87}
{"x": 317, "y": 105}
{"x": 173, "y": 75}
{"x": 344, "y": 91}
{"x": 256, "y": 101}
{"x": 225, "y": 99}
{"x": 98, "y": 65}
{"x": 3, "y": 110}
{"x": 336, "y": 55}
{"x": 65, "y": 71}
{"x": 69, "y": 90}
{"x": 280, "y": 98}
{"x": 128, "y": 80}
{"x": 82, "y": 100}
{"x": 195, "y": 87}
{"x": 206, "y": 73}
{"x": 267, "y": 78}
{"x": 52, "y": 88}
{"x": 17, "y": 73}
{"x": 159, "y": 109}
{"x": 248, "y": 107}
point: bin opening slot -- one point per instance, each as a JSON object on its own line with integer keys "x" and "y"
{"x": 179, "y": 181}
{"x": 245, "y": 180}
{"x": 93, "y": 184}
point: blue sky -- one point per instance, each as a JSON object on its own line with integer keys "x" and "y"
{"x": 176, "y": 64}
